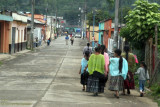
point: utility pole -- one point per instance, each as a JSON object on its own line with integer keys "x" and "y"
{"x": 85, "y": 18}
{"x": 116, "y": 30}
{"x": 121, "y": 22}
{"x": 93, "y": 29}
{"x": 46, "y": 21}
{"x": 56, "y": 20}
{"x": 51, "y": 27}
{"x": 82, "y": 22}
{"x": 32, "y": 24}
{"x": 56, "y": 23}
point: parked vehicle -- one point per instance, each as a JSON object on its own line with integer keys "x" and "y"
{"x": 77, "y": 36}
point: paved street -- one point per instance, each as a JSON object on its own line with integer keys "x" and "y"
{"x": 48, "y": 77}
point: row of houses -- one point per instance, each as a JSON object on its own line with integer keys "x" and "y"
{"x": 103, "y": 34}
{"x": 15, "y": 30}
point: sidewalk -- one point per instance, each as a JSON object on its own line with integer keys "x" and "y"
{"x": 4, "y": 57}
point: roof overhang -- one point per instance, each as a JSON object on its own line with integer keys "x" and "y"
{"x": 6, "y": 18}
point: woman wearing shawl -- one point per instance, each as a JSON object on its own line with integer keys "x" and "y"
{"x": 129, "y": 82}
{"x": 118, "y": 69}
{"x": 96, "y": 68}
{"x": 106, "y": 58}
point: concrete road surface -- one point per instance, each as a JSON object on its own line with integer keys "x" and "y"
{"x": 48, "y": 77}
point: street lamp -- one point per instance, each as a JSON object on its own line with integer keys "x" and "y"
{"x": 83, "y": 11}
{"x": 82, "y": 25}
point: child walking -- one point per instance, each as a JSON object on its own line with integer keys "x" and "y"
{"x": 84, "y": 73}
{"x": 142, "y": 76}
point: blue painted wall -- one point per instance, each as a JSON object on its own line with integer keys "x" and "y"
{"x": 101, "y": 27}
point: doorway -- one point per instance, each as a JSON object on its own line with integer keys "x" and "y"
{"x": 101, "y": 39}
{"x": 13, "y": 40}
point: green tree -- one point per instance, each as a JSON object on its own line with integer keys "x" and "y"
{"x": 99, "y": 16}
{"x": 141, "y": 22}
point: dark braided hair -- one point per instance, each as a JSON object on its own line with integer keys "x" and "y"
{"x": 98, "y": 49}
{"x": 126, "y": 49}
{"x": 103, "y": 49}
{"x": 87, "y": 55}
{"x": 118, "y": 52}
{"x": 145, "y": 66}
{"x": 88, "y": 44}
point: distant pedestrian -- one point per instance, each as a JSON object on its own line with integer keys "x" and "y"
{"x": 143, "y": 76}
{"x": 84, "y": 73}
{"x": 72, "y": 40}
{"x": 36, "y": 41}
{"x": 118, "y": 70}
{"x": 106, "y": 58}
{"x": 48, "y": 41}
{"x": 129, "y": 82}
{"x": 96, "y": 68}
{"x": 87, "y": 48}
{"x": 67, "y": 39}
{"x": 70, "y": 35}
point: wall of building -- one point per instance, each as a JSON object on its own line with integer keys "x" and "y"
{"x": 107, "y": 32}
{"x": 96, "y": 33}
{"x": 20, "y": 36}
{"x": 4, "y": 37}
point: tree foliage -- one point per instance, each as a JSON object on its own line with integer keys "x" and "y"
{"x": 99, "y": 16}
{"x": 65, "y": 8}
{"x": 141, "y": 22}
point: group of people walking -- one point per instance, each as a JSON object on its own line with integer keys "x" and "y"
{"x": 67, "y": 39}
{"x": 97, "y": 67}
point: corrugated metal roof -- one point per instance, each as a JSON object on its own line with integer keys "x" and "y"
{"x": 6, "y": 18}
{"x": 18, "y": 17}
{"x": 35, "y": 21}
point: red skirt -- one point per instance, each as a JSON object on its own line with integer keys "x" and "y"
{"x": 129, "y": 82}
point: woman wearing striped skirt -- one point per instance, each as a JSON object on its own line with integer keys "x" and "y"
{"x": 96, "y": 68}
{"x": 118, "y": 70}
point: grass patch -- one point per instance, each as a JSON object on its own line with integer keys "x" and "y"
{"x": 155, "y": 93}
{"x": 1, "y": 63}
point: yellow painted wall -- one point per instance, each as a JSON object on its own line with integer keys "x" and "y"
{"x": 96, "y": 34}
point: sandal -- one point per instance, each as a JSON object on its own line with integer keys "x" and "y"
{"x": 123, "y": 94}
{"x": 128, "y": 92}
{"x": 141, "y": 94}
{"x": 116, "y": 96}
{"x": 96, "y": 94}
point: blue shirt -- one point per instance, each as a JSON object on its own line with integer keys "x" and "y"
{"x": 84, "y": 63}
{"x": 66, "y": 37}
{"x": 114, "y": 67}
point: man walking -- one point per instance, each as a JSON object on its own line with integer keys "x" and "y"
{"x": 67, "y": 38}
{"x": 87, "y": 48}
{"x": 72, "y": 40}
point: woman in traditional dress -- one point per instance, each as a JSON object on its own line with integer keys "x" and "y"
{"x": 96, "y": 68}
{"x": 129, "y": 82}
{"x": 106, "y": 58}
{"x": 118, "y": 70}
{"x": 84, "y": 73}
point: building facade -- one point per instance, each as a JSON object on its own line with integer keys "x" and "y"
{"x": 18, "y": 36}
{"x": 5, "y": 23}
